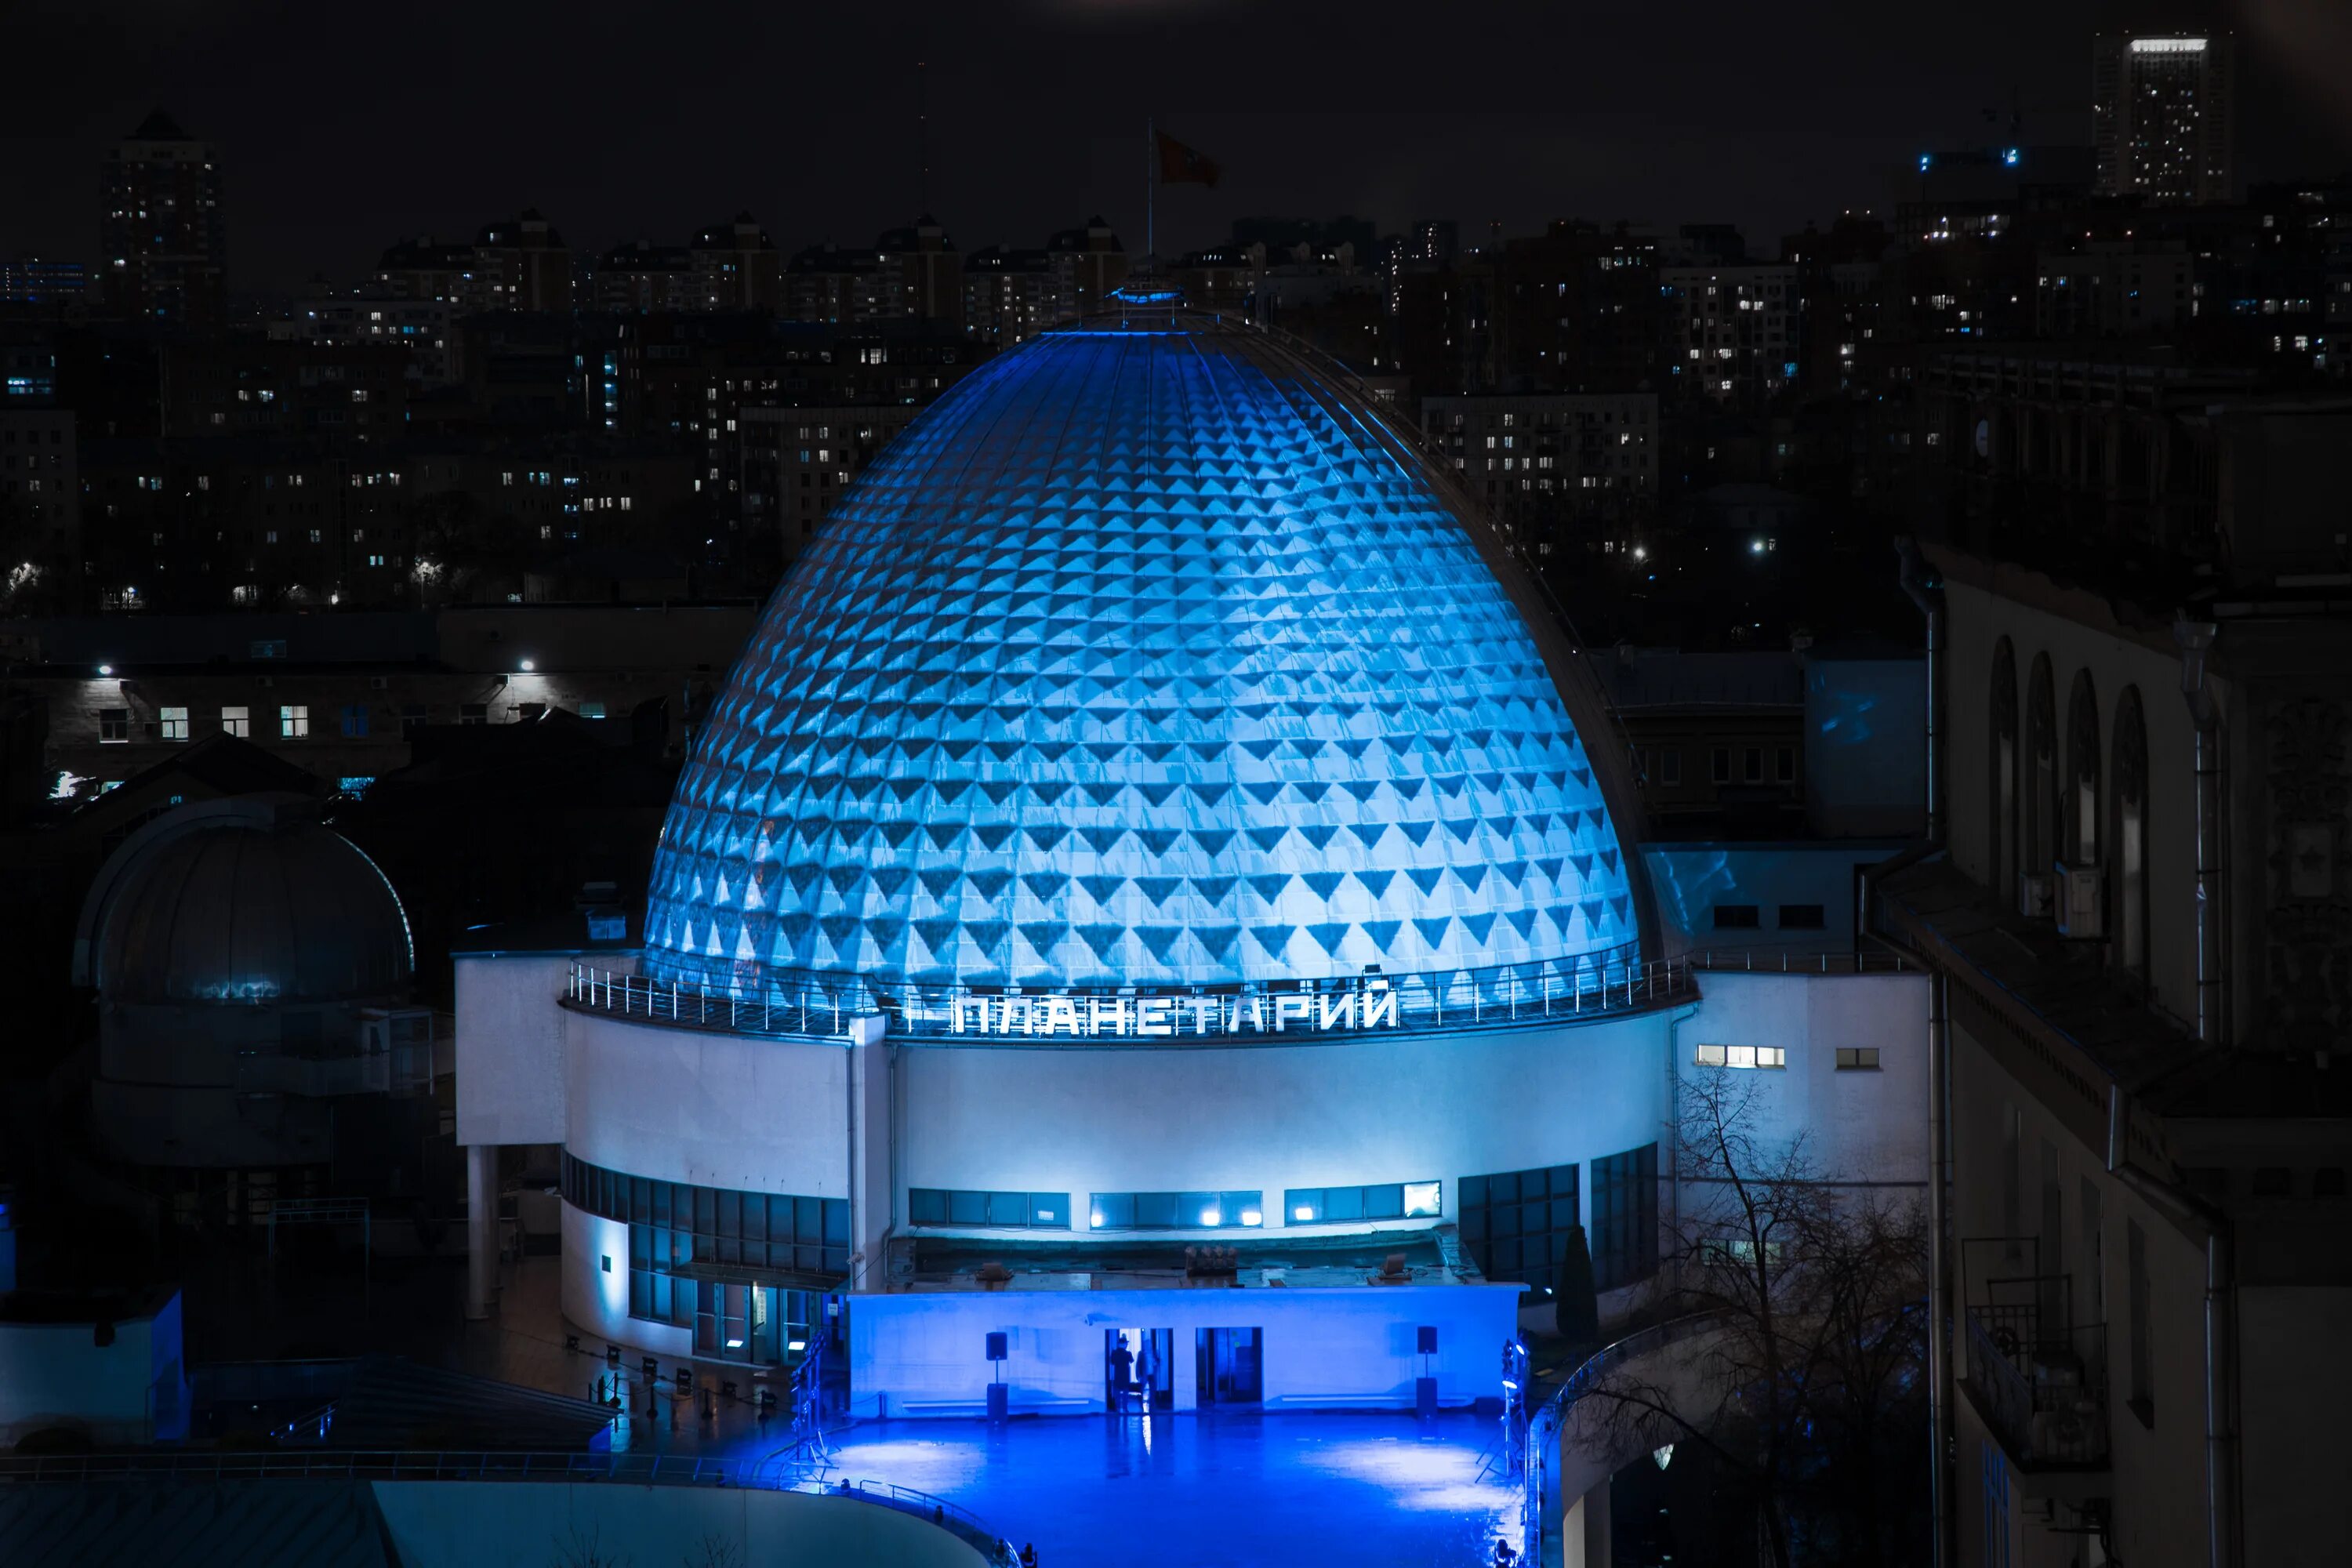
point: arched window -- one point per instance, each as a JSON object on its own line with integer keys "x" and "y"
{"x": 2039, "y": 828}
{"x": 2128, "y": 836}
{"x": 2083, "y": 802}
{"x": 2001, "y": 796}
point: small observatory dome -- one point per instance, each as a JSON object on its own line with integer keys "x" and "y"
{"x": 243, "y": 901}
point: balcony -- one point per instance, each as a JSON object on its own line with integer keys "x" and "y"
{"x": 2039, "y": 1381}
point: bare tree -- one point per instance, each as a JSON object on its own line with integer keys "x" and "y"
{"x": 713, "y": 1551}
{"x": 1807, "y": 1383}
{"x": 584, "y": 1548}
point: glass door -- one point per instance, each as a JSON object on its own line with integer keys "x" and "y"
{"x": 1227, "y": 1366}
{"x": 763, "y": 1325}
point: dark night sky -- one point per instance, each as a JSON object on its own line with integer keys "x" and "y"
{"x": 344, "y": 127}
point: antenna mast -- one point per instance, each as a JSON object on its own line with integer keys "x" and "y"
{"x": 922, "y": 144}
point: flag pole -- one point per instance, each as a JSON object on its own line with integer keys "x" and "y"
{"x": 1150, "y": 188}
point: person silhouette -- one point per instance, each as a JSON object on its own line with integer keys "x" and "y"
{"x": 1122, "y": 1373}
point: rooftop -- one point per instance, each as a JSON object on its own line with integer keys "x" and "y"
{"x": 2065, "y": 999}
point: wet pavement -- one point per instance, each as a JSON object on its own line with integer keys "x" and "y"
{"x": 1219, "y": 1490}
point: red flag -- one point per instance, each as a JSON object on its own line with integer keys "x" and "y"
{"x": 1181, "y": 165}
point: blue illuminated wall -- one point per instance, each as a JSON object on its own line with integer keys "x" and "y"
{"x": 1140, "y": 659}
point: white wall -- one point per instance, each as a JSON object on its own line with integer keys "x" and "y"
{"x": 598, "y": 1301}
{"x": 718, "y": 1110}
{"x": 58, "y": 1374}
{"x": 1861, "y": 1126}
{"x": 510, "y": 1046}
{"x": 1395, "y": 1108}
{"x": 459, "y": 1524}
{"x": 1345, "y": 1344}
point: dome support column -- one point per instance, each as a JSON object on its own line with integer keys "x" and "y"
{"x": 481, "y": 1229}
{"x": 871, "y": 1191}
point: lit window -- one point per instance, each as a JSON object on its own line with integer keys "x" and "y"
{"x": 294, "y": 721}
{"x": 1741, "y": 1057}
{"x": 236, "y": 721}
{"x": 175, "y": 723}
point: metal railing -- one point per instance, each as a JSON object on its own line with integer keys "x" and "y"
{"x": 826, "y": 1007}
{"x": 1553, "y": 1419}
{"x": 2045, "y": 1396}
{"x": 198, "y": 1467}
{"x": 1797, "y": 961}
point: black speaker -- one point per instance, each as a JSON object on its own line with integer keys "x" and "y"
{"x": 996, "y": 1346}
{"x": 1425, "y": 1340}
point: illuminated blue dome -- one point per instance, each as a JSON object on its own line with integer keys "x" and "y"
{"x": 1144, "y": 658}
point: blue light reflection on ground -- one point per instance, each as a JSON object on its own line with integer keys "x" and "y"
{"x": 1221, "y": 1490}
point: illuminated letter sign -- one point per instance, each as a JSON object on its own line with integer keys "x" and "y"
{"x": 1158, "y": 1018}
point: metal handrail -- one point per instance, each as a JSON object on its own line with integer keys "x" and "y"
{"x": 1762, "y": 960}
{"x": 1553, "y": 1419}
{"x": 203, "y": 1466}
{"x": 826, "y": 1007}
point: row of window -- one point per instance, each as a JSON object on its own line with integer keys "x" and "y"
{"x": 1663, "y": 765}
{"x": 1850, "y": 1059}
{"x": 173, "y": 724}
{"x": 1039, "y": 1211}
{"x": 1790, "y": 917}
{"x": 1380, "y": 1200}
{"x": 1176, "y": 1211}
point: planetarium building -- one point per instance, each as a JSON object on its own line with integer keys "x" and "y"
{"x": 1155, "y": 880}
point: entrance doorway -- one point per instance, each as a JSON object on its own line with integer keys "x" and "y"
{"x": 1228, "y": 1366}
{"x": 1138, "y": 1370}
{"x": 761, "y": 1325}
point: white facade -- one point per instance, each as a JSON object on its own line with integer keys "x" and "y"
{"x": 113, "y": 1380}
{"x": 923, "y": 1353}
{"x": 2145, "y": 1196}
{"x": 872, "y": 1119}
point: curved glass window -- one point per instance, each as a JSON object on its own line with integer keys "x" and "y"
{"x": 680, "y": 1234}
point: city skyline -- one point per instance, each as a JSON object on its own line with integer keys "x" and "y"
{"x": 1614, "y": 834}
{"x": 1485, "y": 125}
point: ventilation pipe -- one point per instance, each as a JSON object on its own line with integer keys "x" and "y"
{"x": 1926, "y": 586}
{"x": 2196, "y": 640}
{"x": 1941, "y": 1339}
{"x": 2212, "y": 1226}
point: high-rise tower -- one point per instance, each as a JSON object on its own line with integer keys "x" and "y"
{"x": 2161, "y": 105}
{"x": 165, "y": 256}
